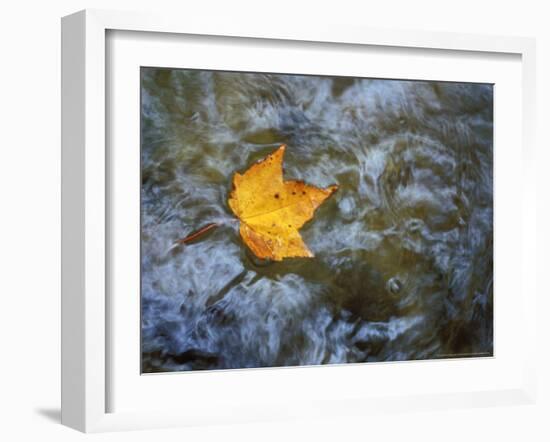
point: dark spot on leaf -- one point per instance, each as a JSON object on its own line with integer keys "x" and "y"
{"x": 276, "y": 195}
{"x": 303, "y": 192}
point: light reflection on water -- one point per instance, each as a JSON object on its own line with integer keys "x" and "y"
{"x": 403, "y": 263}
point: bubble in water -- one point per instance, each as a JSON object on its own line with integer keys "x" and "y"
{"x": 394, "y": 285}
{"x": 414, "y": 225}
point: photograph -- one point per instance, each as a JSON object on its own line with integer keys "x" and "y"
{"x": 302, "y": 220}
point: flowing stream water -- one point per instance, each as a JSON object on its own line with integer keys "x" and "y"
{"x": 403, "y": 265}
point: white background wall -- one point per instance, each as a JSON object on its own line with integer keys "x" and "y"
{"x": 30, "y": 219}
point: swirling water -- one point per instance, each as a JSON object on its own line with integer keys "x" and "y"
{"x": 403, "y": 265}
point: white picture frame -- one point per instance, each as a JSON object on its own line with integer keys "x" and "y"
{"x": 85, "y": 209}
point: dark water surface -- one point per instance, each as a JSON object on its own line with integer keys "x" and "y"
{"x": 403, "y": 265}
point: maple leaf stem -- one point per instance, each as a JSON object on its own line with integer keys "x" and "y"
{"x": 197, "y": 233}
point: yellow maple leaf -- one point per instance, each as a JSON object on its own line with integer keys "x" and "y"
{"x": 272, "y": 210}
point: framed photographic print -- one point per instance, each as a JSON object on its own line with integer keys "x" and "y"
{"x": 252, "y": 211}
